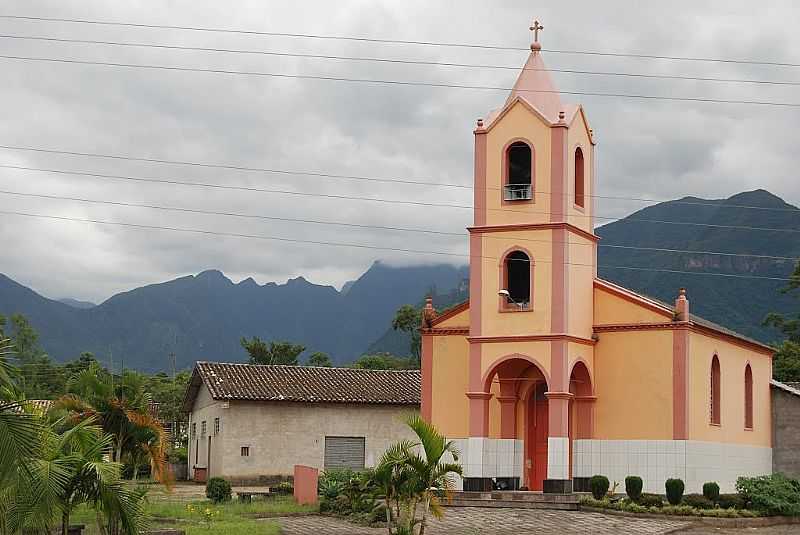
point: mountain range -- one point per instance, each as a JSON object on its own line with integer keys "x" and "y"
{"x": 203, "y": 317}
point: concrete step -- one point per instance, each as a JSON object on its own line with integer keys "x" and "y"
{"x": 513, "y": 499}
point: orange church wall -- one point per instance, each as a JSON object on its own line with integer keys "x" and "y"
{"x": 732, "y": 361}
{"x": 633, "y": 382}
{"x": 581, "y": 286}
{"x": 450, "y": 409}
{"x": 578, "y": 136}
{"x": 518, "y": 124}
{"x": 458, "y": 320}
{"x": 610, "y": 309}
{"x": 495, "y": 246}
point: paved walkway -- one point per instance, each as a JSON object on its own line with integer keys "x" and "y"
{"x": 479, "y": 521}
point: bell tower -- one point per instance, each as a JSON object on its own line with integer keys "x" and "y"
{"x": 532, "y": 246}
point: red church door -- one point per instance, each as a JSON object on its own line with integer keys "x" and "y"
{"x": 536, "y": 447}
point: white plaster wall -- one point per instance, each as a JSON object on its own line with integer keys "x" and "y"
{"x": 205, "y": 409}
{"x": 283, "y": 434}
{"x": 655, "y": 461}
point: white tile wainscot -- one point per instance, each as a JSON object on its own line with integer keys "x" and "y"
{"x": 655, "y": 461}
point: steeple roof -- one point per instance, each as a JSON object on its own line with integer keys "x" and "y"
{"x": 536, "y": 87}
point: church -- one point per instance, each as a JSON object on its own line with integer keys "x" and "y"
{"x": 548, "y": 374}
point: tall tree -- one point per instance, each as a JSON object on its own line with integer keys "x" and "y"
{"x": 786, "y": 362}
{"x": 409, "y": 319}
{"x": 318, "y": 358}
{"x": 276, "y": 352}
{"x": 384, "y": 361}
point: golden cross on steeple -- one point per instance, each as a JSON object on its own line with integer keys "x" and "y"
{"x": 535, "y": 29}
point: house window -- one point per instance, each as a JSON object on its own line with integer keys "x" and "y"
{"x": 580, "y": 199}
{"x": 345, "y": 452}
{"x": 517, "y": 281}
{"x": 748, "y": 397}
{"x": 519, "y": 169}
{"x": 203, "y": 428}
{"x": 216, "y": 426}
{"x": 194, "y": 430}
{"x": 245, "y": 451}
{"x": 715, "y": 391}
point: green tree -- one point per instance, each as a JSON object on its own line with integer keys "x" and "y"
{"x": 276, "y": 352}
{"x": 384, "y": 361}
{"x": 123, "y": 409}
{"x": 82, "y": 450}
{"x": 318, "y": 358}
{"x": 786, "y": 362}
{"x": 409, "y": 320}
{"x": 46, "y": 468}
{"x": 412, "y": 474}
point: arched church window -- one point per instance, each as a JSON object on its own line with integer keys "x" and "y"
{"x": 748, "y": 397}
{"x": 517, "y": 279}
{"x": 579, "y": 179}
{"x": 715, "y": 391}
{"x": 519, "y": 167}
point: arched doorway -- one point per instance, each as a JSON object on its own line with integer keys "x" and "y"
{"x": 519, "y": 385}
{"x": 581, "y": 410}
{"x": 536, "y": 437}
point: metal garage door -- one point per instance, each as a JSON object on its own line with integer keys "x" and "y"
{"x": 344, "y": 452}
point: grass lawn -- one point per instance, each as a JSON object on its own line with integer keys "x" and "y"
{"x": 231, "y": 518}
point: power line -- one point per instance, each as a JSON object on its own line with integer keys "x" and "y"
{"x": 400, "y": 82}
{"x": 368, "y": 199}
{"x": 358, "y": 245}
{"x": 374, "y": 227}
{"x": 414, "y": 181}
{"x": 396, "y": 41}
{"x": 388, "y": 180}
{"x": 392, "y": 60}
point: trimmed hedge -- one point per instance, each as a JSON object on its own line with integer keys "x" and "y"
{"x": 698, "y": 501}
{"x": 711, "y": 491}
{"x": 651, "y": 500}
{"x": 599, "y": 486}
{"x": 728, "y": 501}
{"x": 218, "y": 490}
{"x": 674, "y": 488}
{"x": 633, "y": 487}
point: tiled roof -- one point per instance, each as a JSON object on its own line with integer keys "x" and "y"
{"x": 694, "y": 318}
{"x": 792, "y": 388}
{"x": 250, "y": 382}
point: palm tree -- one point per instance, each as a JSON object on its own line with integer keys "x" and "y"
{"x": 83, "y": 449}
{"x": 411, "y": 474}
{"x": 432, "y": 472}
{"x": 28, "y": 484}
{"x": 122, "y": 410}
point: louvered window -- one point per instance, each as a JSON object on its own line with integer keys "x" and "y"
{"x": 345, "y": 452}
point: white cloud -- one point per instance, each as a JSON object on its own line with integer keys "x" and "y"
{"x": 650, "y": 149}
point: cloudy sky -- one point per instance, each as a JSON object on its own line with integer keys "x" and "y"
{"x": 653, "y": 149}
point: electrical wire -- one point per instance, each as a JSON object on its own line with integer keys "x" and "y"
{"x": 375, "y": 81}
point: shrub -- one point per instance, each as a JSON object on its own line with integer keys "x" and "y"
{"x": 284, "y": 488}
{"x": 218, "y": 490}
{"x": 711, "y": 491}
{"x": 728, "y": 501}
{"x": 650, "y": 500}
{"x": 674, "y": 488}
{"x": 633, "y": 487}
{"x": 775, "y": 494}
{"x": 698, "y": 501}
{"x": 332, "y": 482}
{"x": 599, "y": 486}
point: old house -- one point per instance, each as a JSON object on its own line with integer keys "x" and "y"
{"x": 251, "y": 424}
